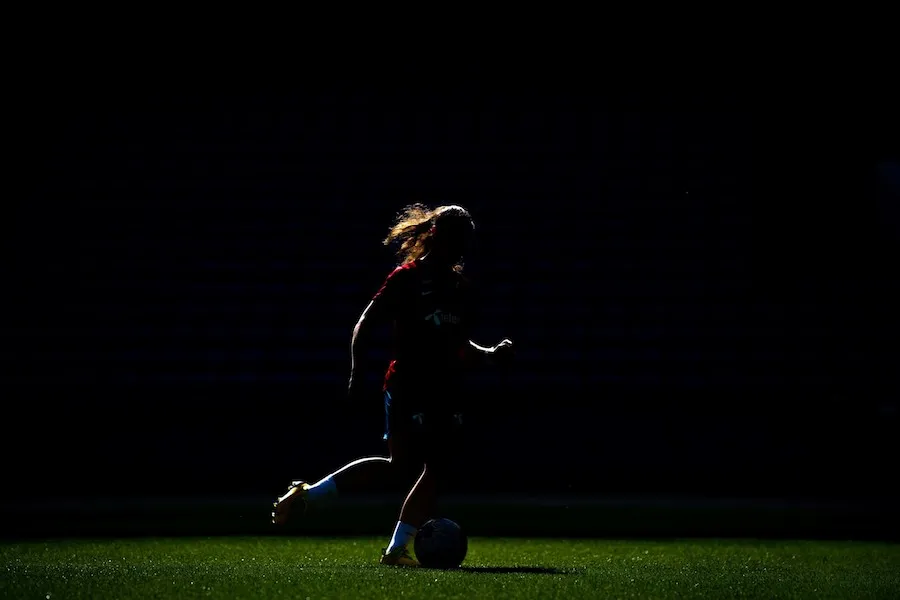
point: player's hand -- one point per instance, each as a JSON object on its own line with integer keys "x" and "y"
{"x": 503, "y": 352}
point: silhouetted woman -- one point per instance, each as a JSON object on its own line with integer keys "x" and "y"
{"x": 429, "y": 303}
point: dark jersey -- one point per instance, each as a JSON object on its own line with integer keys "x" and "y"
{"x": 432, "y": 313}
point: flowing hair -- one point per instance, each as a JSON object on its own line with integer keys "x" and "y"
{"x": 414, "y": 227}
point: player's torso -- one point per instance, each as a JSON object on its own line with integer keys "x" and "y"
{"x": 432, "y": 326}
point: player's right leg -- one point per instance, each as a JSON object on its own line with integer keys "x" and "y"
{"x": 292, "y": 502}
{"x": 358, "y": 475}
{"x": 354, "y": 476}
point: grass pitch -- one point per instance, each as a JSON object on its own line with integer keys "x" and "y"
{"x": 313, "y": 567}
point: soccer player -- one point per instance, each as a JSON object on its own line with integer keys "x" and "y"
{"x": 429, "y": 303}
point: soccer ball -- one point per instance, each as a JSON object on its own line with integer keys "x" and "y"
{"x": 441, "y": 544}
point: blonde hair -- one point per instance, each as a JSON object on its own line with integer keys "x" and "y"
{"x": 414, "y": 227}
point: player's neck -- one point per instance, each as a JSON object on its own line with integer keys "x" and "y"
{"x": 434, "y": 262}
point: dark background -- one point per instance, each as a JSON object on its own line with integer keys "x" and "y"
{"x": 184, "y": 272}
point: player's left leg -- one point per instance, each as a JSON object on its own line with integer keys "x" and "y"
{"x": 405, "y": 442}
{"x": 438, "y": 443}
{"x": 418, "y": 505}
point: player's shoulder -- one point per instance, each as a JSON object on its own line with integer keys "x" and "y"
{"x": 402, "y": 272}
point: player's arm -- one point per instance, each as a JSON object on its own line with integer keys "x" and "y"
{"x": 489, "y": 355}
{"x": 373, "y": 316}
{"x": 380, "y": 310}
{"x": 357, "y": 350}
{"x": 473, "y": 352}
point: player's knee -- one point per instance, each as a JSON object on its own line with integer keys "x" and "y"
{"x": 405, "y": 465}
{"x": 445, "y": 466}
{"x": 434, "y": 468}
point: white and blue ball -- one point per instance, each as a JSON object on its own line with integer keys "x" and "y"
{"x": 441, "y": 544}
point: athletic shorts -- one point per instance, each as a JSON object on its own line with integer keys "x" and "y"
{"x": 433, "y": 428}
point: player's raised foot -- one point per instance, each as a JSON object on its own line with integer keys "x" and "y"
{"x": 398, "y": 557}
{"x": 292, "y": 501}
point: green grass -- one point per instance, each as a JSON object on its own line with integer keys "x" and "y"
{"x": 295, "y": 567}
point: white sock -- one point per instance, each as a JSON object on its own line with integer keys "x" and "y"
{"x": 323, "y": 490}
{"x": 403, "y": 535}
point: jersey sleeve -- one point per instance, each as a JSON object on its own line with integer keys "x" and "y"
{"x": 388, "y": 300}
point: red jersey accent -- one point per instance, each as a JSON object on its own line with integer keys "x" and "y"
{"x": 431, "y": 312}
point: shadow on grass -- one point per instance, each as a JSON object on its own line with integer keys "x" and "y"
{"x": 495, "y": 570}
